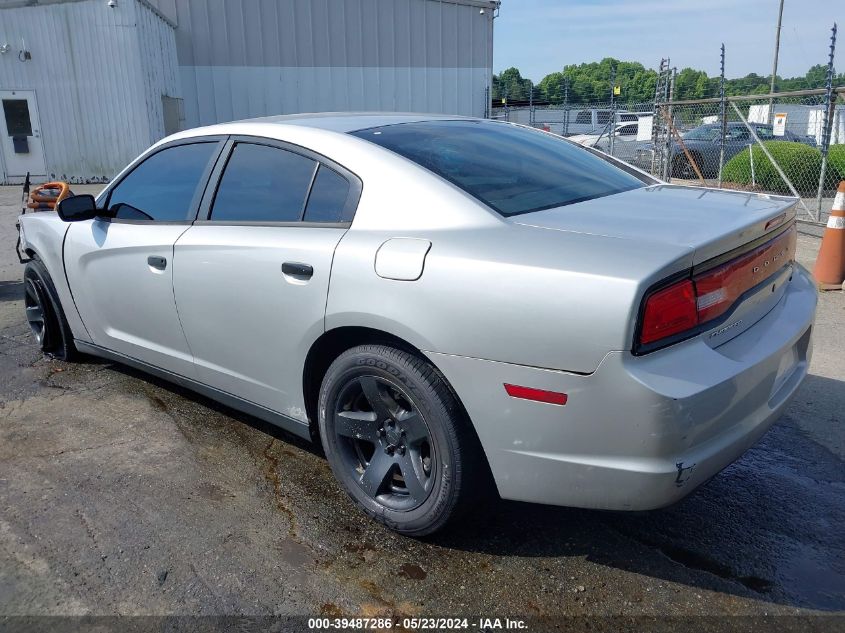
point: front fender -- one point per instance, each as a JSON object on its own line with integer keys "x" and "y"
{"x": 43, "y": 235}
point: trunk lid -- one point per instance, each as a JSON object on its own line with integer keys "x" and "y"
{"x": 710, "y": 221}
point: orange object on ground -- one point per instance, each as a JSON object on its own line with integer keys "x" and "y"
{"x": 830, "y": 265}
{"x": 48, "y": 195}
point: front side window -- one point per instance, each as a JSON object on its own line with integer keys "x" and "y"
{"x": 263, "y": 184}
{"x": 509, "y": 168}
{"x": 162, "y": 187}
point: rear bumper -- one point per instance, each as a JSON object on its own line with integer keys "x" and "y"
{"x": 640, "y": 432}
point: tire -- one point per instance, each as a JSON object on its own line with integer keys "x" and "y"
{"x": 45, "y": 315}
{"x": 682, "y": 168}
{"x": 397, "y": 441}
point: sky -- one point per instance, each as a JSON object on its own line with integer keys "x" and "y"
{"x": 542, "y": 36}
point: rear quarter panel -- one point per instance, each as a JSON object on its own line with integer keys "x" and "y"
{"x": 509, "y": 293}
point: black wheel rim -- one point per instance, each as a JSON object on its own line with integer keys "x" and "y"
{"x": 385, "y": 443}
{"x": 35, "y": 311}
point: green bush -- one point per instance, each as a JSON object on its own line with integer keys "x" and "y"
{"x": 835, "y": 165}
{"x": 801, "y": 163}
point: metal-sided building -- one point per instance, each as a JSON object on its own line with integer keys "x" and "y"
{"x": 86, "y": 85}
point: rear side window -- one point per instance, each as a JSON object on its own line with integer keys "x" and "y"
{"x": 163, "y": 186}
{"x": 511, "y": 169}
{"x": 263, "y": 184}
{"x": 737, "y": 134}
{"x": 328, "y": 197}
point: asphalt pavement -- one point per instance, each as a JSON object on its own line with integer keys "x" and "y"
{"x": 121, "y": 494}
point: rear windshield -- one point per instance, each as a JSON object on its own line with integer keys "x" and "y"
{"x": 511, "y": 169}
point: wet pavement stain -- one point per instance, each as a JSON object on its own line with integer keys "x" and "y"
{"x": 694, "y": 560}
{"x": 329, "y": 610}
{"x": 271, "y": 472}
{"x": 296, "y": 554}
{"x": 412, "y": 572}
{"x": 213, "y": 492}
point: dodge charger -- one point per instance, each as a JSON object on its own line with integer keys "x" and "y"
{"x": 449, "y": 305}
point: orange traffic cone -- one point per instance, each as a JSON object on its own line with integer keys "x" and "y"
{"x": 830, "y": 265}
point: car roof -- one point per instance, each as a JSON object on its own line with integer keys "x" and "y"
{"x": 343, "y": 121}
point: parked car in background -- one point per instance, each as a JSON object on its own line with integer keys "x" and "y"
{"x": 623, "y": 132}
{"x": 449, "y": 305}
{"x": 703, "y": 145}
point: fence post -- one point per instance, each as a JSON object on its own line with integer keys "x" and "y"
{"x": 612, "y": 109}
{"x": 565, "y": 106}
{"x": 667, "y": 143}
{"x": 661, "y": 136}
{"x": 507, "y": 106}
{"x": 670, "y": 123}
{"x": 751, "y": 160}
{"x": 531, "y": 116}
{"x": 656, "y": 123}
{"x": 827, "y": 121}
{"x": 722, "y": 116}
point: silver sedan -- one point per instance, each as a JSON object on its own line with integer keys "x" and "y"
{"x": 451, "y": 306}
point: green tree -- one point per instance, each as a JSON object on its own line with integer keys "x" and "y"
{"x": 692, "y": 84}
{"x": 590, "y": 83}
{"x": 511, "y": 85}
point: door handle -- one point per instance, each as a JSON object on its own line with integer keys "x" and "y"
{"x": 159, "y": 263}
{"x": 296, "y": 269}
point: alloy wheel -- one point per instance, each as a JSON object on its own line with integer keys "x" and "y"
{"x": 385, "y": 443}
{"x": 35, "y": 310}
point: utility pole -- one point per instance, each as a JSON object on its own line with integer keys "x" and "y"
{"x": 775, "y": 62}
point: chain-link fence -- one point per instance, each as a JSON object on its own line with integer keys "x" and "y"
{"x": 787, "y": 143}
{"x": 767, "y": 144}
{"x": 790, "y": 143}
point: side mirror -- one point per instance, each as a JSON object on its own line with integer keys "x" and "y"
{"x": 77, "y": 208}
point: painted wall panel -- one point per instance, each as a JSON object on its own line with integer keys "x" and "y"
{"x": 248, "y": 92}
{"x": 98, "y": 89}
{"x": 322, "y": 55}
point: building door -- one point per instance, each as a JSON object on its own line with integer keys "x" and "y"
{"x": 20, "y": 134}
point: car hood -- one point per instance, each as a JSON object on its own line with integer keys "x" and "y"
{"x": 709, "y": 221}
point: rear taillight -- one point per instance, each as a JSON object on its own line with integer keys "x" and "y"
{"x": 686, "y": 306}
{"x": 668, "y": 312}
